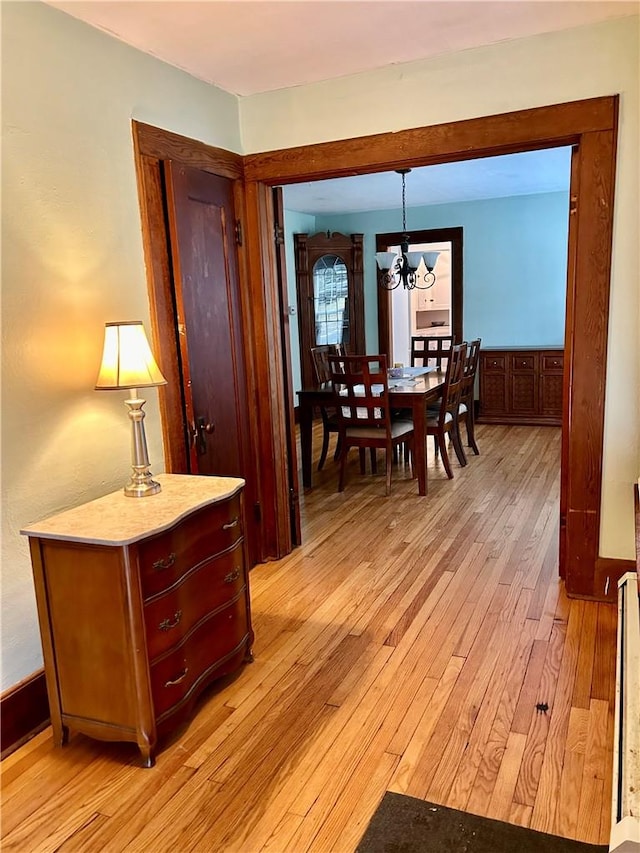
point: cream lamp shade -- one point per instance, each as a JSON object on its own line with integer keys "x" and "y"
{"x": 127, "y": 362}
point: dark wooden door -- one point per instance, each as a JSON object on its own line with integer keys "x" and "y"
{"x": 202, "y": 226}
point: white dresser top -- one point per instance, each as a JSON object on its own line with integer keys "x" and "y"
{"x": 116, "y": 519}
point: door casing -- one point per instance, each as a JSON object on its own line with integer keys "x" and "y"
{"x": 590, "y": 125}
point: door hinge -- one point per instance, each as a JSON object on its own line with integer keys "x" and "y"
{"x": 257, "y": 511}
{"x": 238, "y": 232}
{"x": 573, "y": 204}
{"x": 278, "y": 235}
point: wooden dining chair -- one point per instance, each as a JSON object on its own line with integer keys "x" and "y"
{"x": 431, "y": 350}
{"x": 320, "y": 357}
{"x": 443, "y": 422}
{"x": 466, "y": 409}
{"x": 361, "y": 396}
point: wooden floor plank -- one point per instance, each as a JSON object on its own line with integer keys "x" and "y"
{"x": 544, "y": 811}
{"x": 404, "y": 646}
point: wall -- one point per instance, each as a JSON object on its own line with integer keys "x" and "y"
{"x": 552, "y": 68}
{"x": 72, "y": 260}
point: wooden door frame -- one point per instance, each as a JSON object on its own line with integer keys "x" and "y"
{"x": 591, "y": 125}
{"x": 454, "y": 236}
{"x": 281, "y": 261}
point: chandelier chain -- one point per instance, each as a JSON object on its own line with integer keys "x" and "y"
{"x": 404, "y": 208}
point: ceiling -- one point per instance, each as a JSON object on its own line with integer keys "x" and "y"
{"x": 251, "y": 46}
{"x": 491, "y": 177}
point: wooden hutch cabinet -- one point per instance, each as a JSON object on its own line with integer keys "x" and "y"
{"x": 142, "y": 603}
{"x": 521, "y": 385}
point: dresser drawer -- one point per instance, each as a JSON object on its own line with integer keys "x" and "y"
{"x": 523, "y": 361}
{"x": 494, "y": 362}
{"x": 552, "y": 361}
{"x": 165, "y": 558}
{"x": 175, "y": 674}
{"x": 170, "y": 615}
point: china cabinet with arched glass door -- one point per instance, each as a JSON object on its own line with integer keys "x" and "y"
{"x": 329, "y": 284}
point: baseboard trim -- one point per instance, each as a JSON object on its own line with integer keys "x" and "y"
{"x": 24, "y": 711}
{"x": 608, "y": 572}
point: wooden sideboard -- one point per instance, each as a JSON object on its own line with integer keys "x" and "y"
{"x": 521, "y": 385}
{"x": 142, "y": 602}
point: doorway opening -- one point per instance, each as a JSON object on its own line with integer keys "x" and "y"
{"x": 446, "y": 297}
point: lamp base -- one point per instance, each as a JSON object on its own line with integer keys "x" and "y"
{"x": 141, "y": 484}
{"x": 142, "y": 489}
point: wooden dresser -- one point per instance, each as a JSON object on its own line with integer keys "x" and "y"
{"x": 521, "y": 385}
{"x": 142, "y": 603}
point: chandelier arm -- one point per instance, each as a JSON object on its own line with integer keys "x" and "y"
{"x": 429, "y": 278}
{"x": 388, "y": 281}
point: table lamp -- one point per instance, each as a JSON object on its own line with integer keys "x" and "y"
{"x": 127, "y": 362}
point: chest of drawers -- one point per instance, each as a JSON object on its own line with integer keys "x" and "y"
{"x": 142, "y": 603}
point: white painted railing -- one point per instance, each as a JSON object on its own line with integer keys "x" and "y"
{"x": 625, "y": 818}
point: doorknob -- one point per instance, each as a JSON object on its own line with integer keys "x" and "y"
{"x": 199, "y": 432}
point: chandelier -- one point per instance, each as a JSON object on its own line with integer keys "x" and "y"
{"x": 405, "y": 268}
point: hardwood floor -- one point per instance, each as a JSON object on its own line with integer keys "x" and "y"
{"x": 403, "y": 647}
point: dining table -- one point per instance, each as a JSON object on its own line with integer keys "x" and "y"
{"x": 412, "y": 392}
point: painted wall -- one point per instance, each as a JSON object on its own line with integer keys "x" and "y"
{"x": 72, "y": 260}
{"x": 552, "y": 68}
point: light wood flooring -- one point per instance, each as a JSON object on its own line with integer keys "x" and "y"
{"x": 404, "y": 647}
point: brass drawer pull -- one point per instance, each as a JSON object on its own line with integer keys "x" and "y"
{"x": 230, "y": 524}
{"x": 178, "y": 678}
{"x": 232, "y": 576}
{"x": 159, "y": 565}
{"x": 167, "y": 624}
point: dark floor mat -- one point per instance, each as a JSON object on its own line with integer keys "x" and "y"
{"x": 406, "y": 825}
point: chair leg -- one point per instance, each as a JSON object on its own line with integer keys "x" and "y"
{"x": 363, "y": 466}
{"x": 336, "y": 455}
{"x": 374, "y": 460}
{"x": 441, "y": 439}
{"x": 389, "y": 461}
{"x": 435, "y": 445}
{"x": 457, "y": 444}
{"x": 471, "y": 434}
{"x": 325, "y": 447}
{"x": 343, "y": 468}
